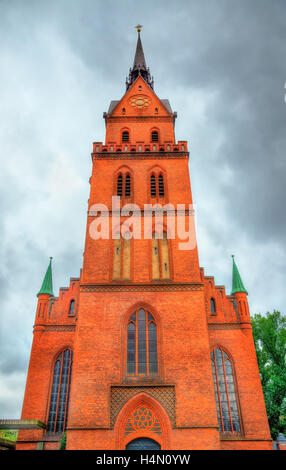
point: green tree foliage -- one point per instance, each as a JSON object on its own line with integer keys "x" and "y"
{"x": 63, "y": 441}
{"x": 269, "y": 333}
{"x": 9, "y": 435}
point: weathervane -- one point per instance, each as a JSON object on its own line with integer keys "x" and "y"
{"x": 139, "y": 27}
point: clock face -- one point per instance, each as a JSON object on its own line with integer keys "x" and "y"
{"x": 139, "y": 101}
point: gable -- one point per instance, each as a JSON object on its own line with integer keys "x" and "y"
{"x": 140, "y": 100}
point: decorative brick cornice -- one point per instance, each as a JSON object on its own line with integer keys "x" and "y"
{"x": 142, "y": 212}
{"x": 141, "y": 287}
{"x": 224, "y": 326}
{"x": 139, "y": 155}
{"x": 43, "y": 327}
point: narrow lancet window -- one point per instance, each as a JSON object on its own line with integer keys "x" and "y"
{"x": 153, "y": 186}
{"x": 119, "y": 185}
{"x": 161, "y": 186}
{"x": 213, "y": 309}
{"x": 127, "y": 186}
{"x": 71, "y": 310}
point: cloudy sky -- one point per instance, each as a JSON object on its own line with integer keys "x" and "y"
{"x": 222, "y": 65}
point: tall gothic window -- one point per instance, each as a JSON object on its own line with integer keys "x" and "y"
{"x": 225, "y": 393}
{"x": 142, "y": 344}
{"x": 60, "y": 392}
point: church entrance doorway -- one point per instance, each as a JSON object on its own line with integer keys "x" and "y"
{"x": 143, "y": 443}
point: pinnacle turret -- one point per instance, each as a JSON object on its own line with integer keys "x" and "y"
{"x": 237, "y": 284}
{"x": 47, "y": 286}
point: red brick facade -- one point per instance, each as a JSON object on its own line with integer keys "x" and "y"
{"x": 176, "y": 407}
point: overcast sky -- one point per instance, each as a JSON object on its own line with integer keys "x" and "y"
{"x": 222, "y": 65}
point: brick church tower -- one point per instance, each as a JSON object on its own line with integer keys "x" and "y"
{"x": 143, "y": 350}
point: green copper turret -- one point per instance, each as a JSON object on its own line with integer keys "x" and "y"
{"x": 237, "y": 284}
{"x": 47, "y": 286}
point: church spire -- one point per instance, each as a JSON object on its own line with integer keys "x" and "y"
{"x": 237, "y": 284}
{"x": 139, "y": 64}
{"x": 47, "y": 286}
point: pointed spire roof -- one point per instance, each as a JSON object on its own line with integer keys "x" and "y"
{"x": 47, "y": 286}
{"x": 237, "y": 284}
{"x": 139, "y": 64}
{"x": 139, "y": 59}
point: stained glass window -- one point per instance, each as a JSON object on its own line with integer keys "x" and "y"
{"x": 225, "y": 393}
{"x": 142, "y": 344}
{"x": 60, "y": 393}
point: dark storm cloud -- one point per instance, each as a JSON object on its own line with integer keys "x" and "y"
{"x": 222, "y": 65}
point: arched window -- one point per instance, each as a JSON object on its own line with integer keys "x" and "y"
{"x": 157, "y": 185}
{"x": 142, "y": 344}
{"x": 125, "y": 136}
{"x": 124, "y": 185}
{"x": 123, "y": 110}
{"x": 160, "y": 257}
{"x": 225, "y": 393}
{"x": 213, "y": 309}
{"x": 60, "y": 392}
{"x": 119, "y": 185}
{"x": 154, "y": 136}
{"x": 71, "y": 310}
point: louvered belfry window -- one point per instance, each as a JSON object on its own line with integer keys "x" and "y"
{"x": 161, "y": 186}
{"x": 119, "y": 185}
{"x": 125, "y": 136}
{"x": 124, "y": 185}
{"x": 127, "y": 186}
{"x": 157, "y": 187}
{"x": 225, "y": 392}
{"x": 154, "y": 136}
{"x": 142, "y": 344}
{"x": 153, "y": 186}
{"x": 60, "y": 393}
